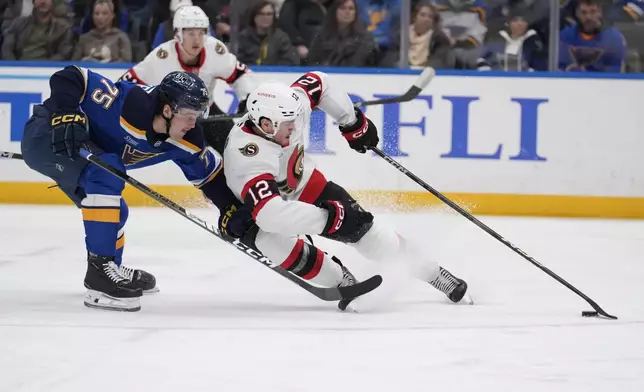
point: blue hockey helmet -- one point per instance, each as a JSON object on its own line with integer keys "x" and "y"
{"x": 183, "y": 90}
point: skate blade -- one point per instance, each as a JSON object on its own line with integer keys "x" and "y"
{"x": 153, "y": 290}
{"x": 466, "y": 300}
{"x": 98, "y": 300}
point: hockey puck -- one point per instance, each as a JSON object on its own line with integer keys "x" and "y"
{"x": 589, "y": 313}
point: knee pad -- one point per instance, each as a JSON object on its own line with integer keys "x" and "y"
{"x": 96, "y": 180}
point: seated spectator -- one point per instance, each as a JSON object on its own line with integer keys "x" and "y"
{"x": 517, "y": 49}
{"x": 302, "y": 20}
{"x": 464, "y": 21}
{"x": 262, "y": 42}
{"x": 428, "y": 43}
{"x": 119, "y": 9}
{"x": 590, "y": 46}
{"x": 12, "y": 9}
{"x": 382, "y": 19}
{"x": 105, "y": 43}
{"x": 222, "y": 12}
{"x": 343, "y": 40}
{"x": 40, "y": 36}
{"x": 165, "y": 31}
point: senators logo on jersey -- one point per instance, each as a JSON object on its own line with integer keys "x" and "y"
{"x": 249, "y": 150}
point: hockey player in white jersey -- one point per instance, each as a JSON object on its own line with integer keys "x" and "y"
{"x": 193, "y": 50}
{"x": 267, "y": 169}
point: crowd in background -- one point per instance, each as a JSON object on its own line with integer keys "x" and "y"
{"x": 594, "y": 36}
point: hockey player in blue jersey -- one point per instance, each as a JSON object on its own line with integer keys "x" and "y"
{"x": 589, "y": 46}
{"x": 129, "y": 126}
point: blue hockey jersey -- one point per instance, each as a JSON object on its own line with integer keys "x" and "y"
{"x": 120, "y": 122}
{"x": 603, "y": 52}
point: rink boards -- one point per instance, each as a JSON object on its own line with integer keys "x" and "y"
{"x": 503, "y": 144}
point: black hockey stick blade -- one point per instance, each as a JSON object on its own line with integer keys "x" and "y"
{"x": 10, "y": 155}
{"x": 419, "y": 85}
{"x": 324, "y": 293}
{"x": 488, "y": 230}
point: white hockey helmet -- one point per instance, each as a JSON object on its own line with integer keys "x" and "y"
{"x": 275, "y": 102}
{"x": 189, "y": 17}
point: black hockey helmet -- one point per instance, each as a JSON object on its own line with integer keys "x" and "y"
{"x": 183, "y": 90}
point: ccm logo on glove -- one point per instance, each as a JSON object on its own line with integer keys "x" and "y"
{"x": 68, "y": 118}
{"x": 339, "y": 217}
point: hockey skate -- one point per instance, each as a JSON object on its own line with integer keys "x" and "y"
{"x": 140, "y": 279}
{"x": 107, "y": 288}
{"x": 347, "y": 280}
{"x": 453, "y": 287}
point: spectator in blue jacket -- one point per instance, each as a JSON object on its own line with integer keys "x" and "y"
{"x": 590, "y": 46}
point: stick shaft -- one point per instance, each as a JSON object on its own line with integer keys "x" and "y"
{"x": 488, "y": 230}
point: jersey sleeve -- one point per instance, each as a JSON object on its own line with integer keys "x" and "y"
{"x": 251, "y": 170}
{"x": 202, "y": 166}
{"x": 232, "y": 71}
{"x": 321, "y": 93}
{"x": 68, "y": 89}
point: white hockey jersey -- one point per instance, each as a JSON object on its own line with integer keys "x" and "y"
{"x": 280, "y": 183}
{"x": 216, "y": 62}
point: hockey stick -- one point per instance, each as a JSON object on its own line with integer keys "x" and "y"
{"x": 487, "y": 229}
{"x": 324, "y": 293}
{"x": 419, "y": 84}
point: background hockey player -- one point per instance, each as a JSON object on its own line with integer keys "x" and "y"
{"x": 127, "y": 126}
{"x": 267, "y": 169}
{"x": 193, "y": 50}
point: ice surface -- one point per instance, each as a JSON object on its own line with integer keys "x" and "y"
{"x": 222, "y": 322}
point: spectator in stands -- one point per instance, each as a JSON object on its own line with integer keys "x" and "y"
{"x": 302, "y": 20}
{"x": 105, "y": 43}
{"x": 517, "y": 47}
{"x": 165, "y": 31}
{"x": 222, "y": 10}
{"x": 590, "y": 46}
{"x": 40, "y": 36}
{"x": 12, "y": 9}
{"x": 465, "y": 24}
{"x": 428, "y": 43}
{"x": 262, "y": 42}
{"x": 382, "y": 18}
{"x": 121, "y": 17}
{"x": 343, "y": 40}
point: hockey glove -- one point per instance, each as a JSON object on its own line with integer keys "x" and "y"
{"x": 347, "y": 222}
{"x": 68, "y": 133}
{"x": 235, "y": 222}
{"x": 361, "y": 135}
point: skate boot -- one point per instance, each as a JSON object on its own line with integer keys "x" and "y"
{"x": 347, "y": 280}
{"x": 453, "y": 287}
{"x": 140, "y": 279}
{"x": 107, "y": 288}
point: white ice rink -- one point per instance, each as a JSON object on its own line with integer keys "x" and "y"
{"x": 224, "y": 323}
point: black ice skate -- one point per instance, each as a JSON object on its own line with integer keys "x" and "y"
{"x": 347, "y": 280}
{"x": 107, "y": 288}
{"x": 140, "y": 279}
{"x": 453, "y": 287}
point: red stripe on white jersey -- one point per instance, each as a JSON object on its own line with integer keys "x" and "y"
{"x": 313, "y": 189}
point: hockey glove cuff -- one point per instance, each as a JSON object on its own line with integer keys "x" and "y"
{"x": 346, "y": 222}
{"x": 361, "y": 135}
